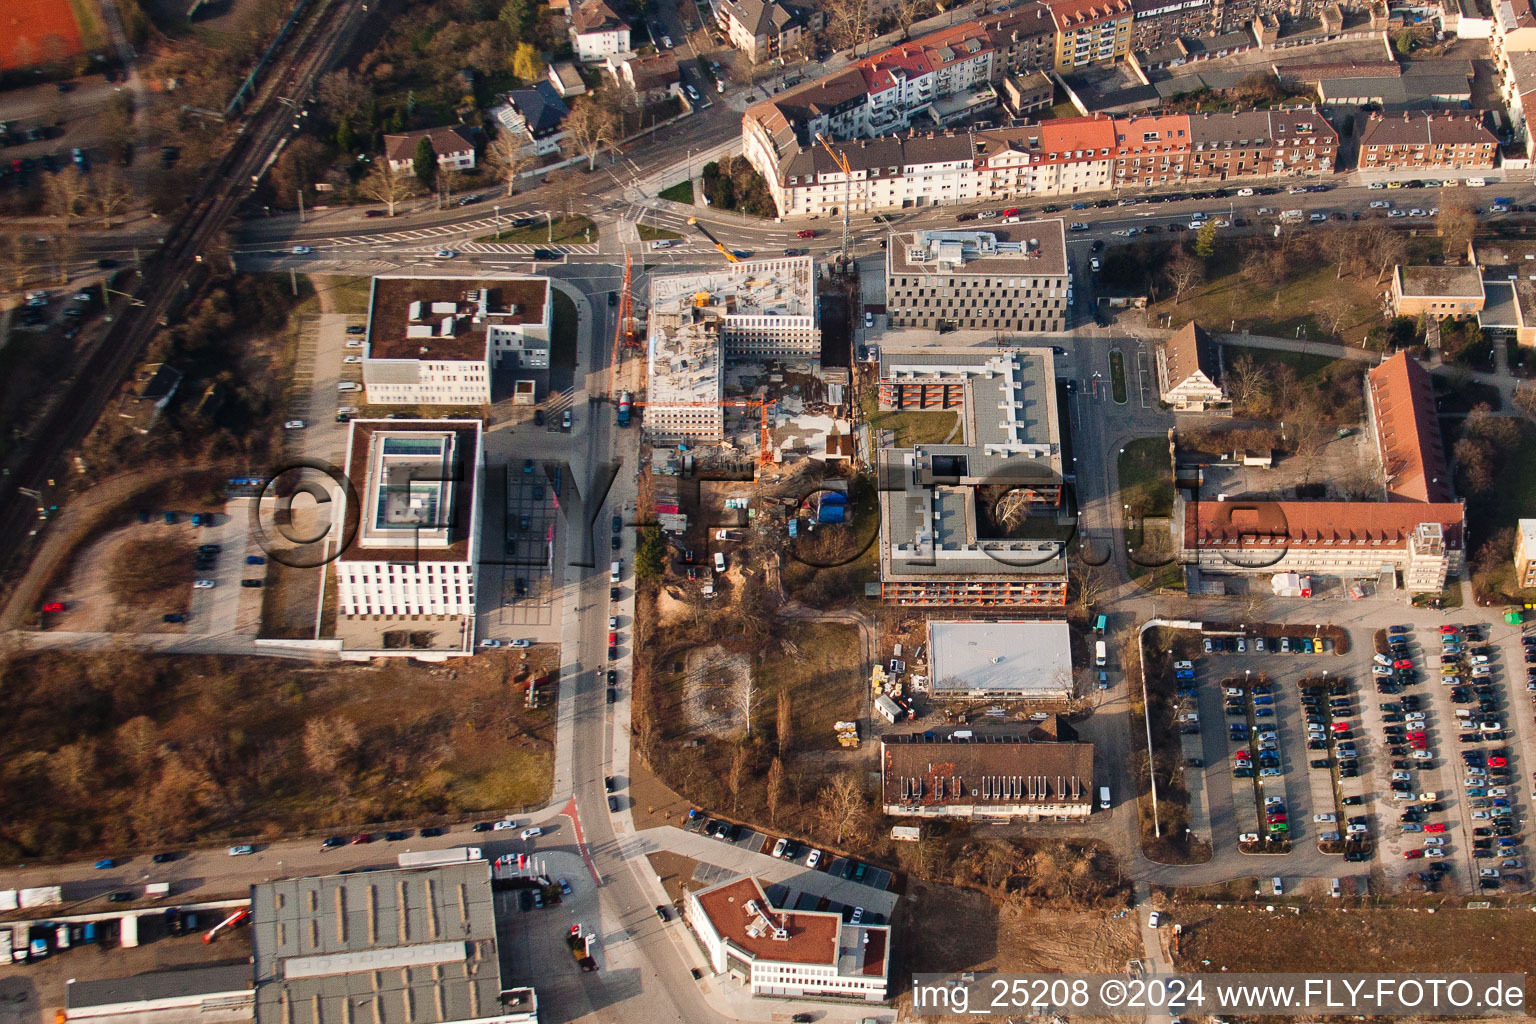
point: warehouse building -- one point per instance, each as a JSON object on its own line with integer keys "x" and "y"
{"x": 985, "y": 775}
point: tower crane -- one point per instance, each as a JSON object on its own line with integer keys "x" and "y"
{"x": 842, "y": 163}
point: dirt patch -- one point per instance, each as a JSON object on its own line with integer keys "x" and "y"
{"x": 1400, "y": 941}
{"x": 945, "y": 929}
{"x": 716, "y": 686}
{"x": 652, "y": 802}
{"x": 95, "y": 603}
{"x": 675, "y": 872}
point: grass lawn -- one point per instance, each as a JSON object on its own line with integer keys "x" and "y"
{"x": 911, "y": 427}
{"x": 1306, "y": 364}
{"x": 576, "y": 229}
{"x": 1117, "y": 375}
{"x": 824, "y": 675}
{"x": 1146, "y": 475}
{"x": 1229, "y": 302}
{"x": 562, "y": 354}
{"x": 651, "y": 234}
{"x": 682, "y": 192}
{"x": 350, "y": 294}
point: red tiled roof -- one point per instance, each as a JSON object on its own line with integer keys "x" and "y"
{"x": 1068, "y": 13}
{"x": 1407, "y": 432}
{"x": 1274, "y": 526}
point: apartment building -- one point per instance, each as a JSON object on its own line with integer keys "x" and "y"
{"x": 434, "y": 341}
{"x": 1261, "y": 143}
{"x": 1151, "y": 150}
{"x": 787, "y": 954}
{"x": 1400, "y": 406}
{"x": 1090, "y": 31}
{"x": 1013, "y": 278}
{"x": 985, "y": 775}
{"x": 938, "y": 543}
{"x": 755, "y": 310}
{"x": 765, "y": 29}
{"x": 597, "y": 31}
{"x": 1061, "y": 157}
{"x": 406, "y": 576}
{"x": 1512, "y": 45}
{"x": 1525, "y": 554}
{"x": 453, "y": 145}
{"x": 1416, "y": 141}
{"x": 1023, "y": 39}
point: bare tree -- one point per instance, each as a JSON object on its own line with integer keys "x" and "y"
{"x": 1339, "y": 246}
{"x": 734, "y": 776}
{"x": 843, "y": 808}
{"x": 73, "y": 768}
{"x": 1335, "y": 310}
{"x": 66, "y": 193}
{"x": 786, "y": 722}
{"x": 509, "y": 160}
{"x": 329, "y": 744}
{"x": 773, "y": 794}
{"x": 1387, "y": 249}
{"x": 591, "y": 125}
{"x": 137, "y": 743}
{"x": 386, "y": 185}
{"x": 449, "y": 180}
{"x": 1456, "y": 222}
{"x": 1311, "y": 435}
{"x": 111, "y": 194}
{"x": 1525, "y": 398}
{"x": 1246, "y": 380}
{"x": 1184, "y": 272}
{"x": 342, "y": 97}
{"x": 908, "y": 11}
{"x": 849, "y": 21}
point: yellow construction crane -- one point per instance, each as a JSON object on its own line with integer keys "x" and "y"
{"x": 693, "y": 222}
{"x": 842, "y": 163}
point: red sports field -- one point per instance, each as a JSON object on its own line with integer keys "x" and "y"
{"x": 36, "y": 32}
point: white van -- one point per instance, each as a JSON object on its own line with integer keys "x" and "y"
{"x": 1476, "y": 182}
{"x": 1100, "y": 654}
{"x": 613, "y": 573}
{"x": 719, "y": 561}
{"x": 1103, "y": 798}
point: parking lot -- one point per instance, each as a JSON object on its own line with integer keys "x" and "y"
{"x": 1410, "y": 749}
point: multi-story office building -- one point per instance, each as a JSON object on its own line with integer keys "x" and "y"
{"x": 754, "y": 310}
{"x": 939, "y": 542}
{"x": 787, "y": 954}
{"x": 1090, "y": 31}
{"x": 408, "y": 569}
{"x": 434, "y": 340}
{"x": 1013, "y": 278}
{"x": 1418, "y": 140}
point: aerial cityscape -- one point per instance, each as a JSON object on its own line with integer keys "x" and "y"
{"x": 775, "y": 511}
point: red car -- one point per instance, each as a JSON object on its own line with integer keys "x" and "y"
{"x": 1418, "y": 734}
{"x": 1450, "y": 629}
{"x": 807, "y": 233}
{"x": 1419, "y": 744}
{"x": 1275, "y": 819}
{"x": 1011, "y": 211}
{"x": 53, "y": 606}
{"x": 1435, "y": 828}
{"x": 361, "y": 838}
{"x": 1412, "y": 854}
{"x": 1497, "y": 761}
{"x": 613, "y": 638}
{"x": 1341, "y": 727}
{"x": 1402, "y": 663}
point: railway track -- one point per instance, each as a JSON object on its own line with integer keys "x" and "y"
{"x": 171, "y": 275}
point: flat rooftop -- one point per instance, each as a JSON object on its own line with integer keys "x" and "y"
{"x": 810, "y": 937}
{"x": 1000, "y": 657}
{"x": 685, "y": 364}
{"x": 1458, "y": 282}
{"x": 167, "y": 984}
{"x": 769, "y": 287}
{"x": 414, "y": 482}
{"x": 405, "y": 946}
{"x": 446, "y": 318}
{"x": 1036, "y": 247}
